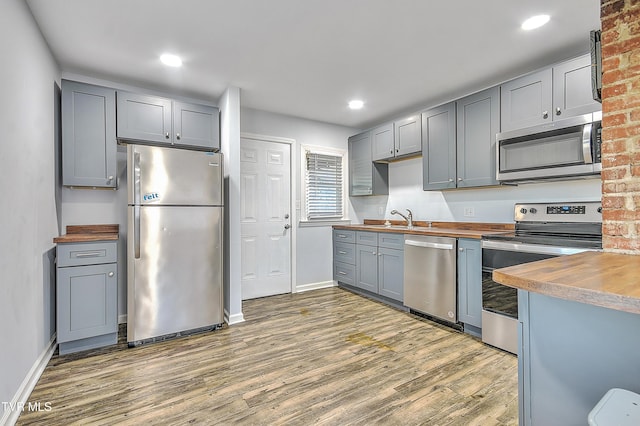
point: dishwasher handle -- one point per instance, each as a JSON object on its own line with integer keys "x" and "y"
{"x": 439, "y": 246}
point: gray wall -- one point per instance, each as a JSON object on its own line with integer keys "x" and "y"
{"x": 494, "y": 204}
{"x": 313, "y": 244}
{"x": 28, "y": 216}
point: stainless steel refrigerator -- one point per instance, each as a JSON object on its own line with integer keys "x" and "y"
{"x": 174, "y": 242}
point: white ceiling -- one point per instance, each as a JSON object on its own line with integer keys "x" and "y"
{"x": 307, "y": 58}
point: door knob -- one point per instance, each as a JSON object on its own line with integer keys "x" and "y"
{"x": 545, "y": 115}
{"x": 287, "y": 226}
{"x": 558, "y": 111}
{"x": 110, "y": 274}
{"x": 286, "y": 216}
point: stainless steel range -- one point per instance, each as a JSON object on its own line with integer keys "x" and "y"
{"x": 542, "y": 231}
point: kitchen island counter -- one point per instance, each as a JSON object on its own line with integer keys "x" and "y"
{"x": 609, "y": 280}
{"x": 578, "y": 322}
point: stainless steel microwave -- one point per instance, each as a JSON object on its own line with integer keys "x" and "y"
{"x": 557, "y": 150}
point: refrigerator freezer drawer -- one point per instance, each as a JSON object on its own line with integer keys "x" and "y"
{"x": 174, "y": 277}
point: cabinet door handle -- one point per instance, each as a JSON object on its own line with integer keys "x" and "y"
{"x": 558, "y": 111}
{"x": 460, "y": 249}
{"x": 109, "y": 179}
{"x": 166, "y": 135}
{"x": 342, "y": 236}
{"x": 110, "y": 274}
{"x": 459, "y": 179}
{"x": 545, "y": 115}
{"x": 342, "y": 273}
{"x": 178, "y": 136}
{"x": 90, "y": 254}
{"x": 342, "y": 252}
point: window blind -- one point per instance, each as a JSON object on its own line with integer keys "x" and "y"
{"x": 323, "y": 186}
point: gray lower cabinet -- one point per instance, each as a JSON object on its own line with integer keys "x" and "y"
{"x": 569, "y": 355}
{"x": 160, "y": 121}
{"x": 88, "y": 135}
{"x": 470, "y": 284}
{"x": 365, "y": 176}
{"x": 547, "y": 95}
{"x": 370, "y": 261}
{"x": 86, "y": 295}
{"x": 391, "y": 273}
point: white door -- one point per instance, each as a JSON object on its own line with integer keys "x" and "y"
{"x": 265, "y": 209}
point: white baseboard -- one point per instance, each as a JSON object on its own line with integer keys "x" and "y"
{"x": 122, "y": 319}
{"x": 12, "y": 412}
{"x": 233, "y": 319}
{"x": 315, "y": 286}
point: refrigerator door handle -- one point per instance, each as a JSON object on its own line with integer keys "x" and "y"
{"x": 136, "y": 231}
{"x": 136, "y": 179}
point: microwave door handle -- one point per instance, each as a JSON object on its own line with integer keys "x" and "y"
{"x": 586, "y": 144}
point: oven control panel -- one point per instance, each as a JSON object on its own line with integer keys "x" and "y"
{"x": 588, "y": 212}
{"x": 568, "y": 209}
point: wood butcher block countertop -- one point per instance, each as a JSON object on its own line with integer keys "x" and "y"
{"x": 610, "y": 280}
{"x": 438, "y": 229}
{"x": 87, "y": 233}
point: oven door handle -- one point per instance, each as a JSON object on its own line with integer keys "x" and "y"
{"x": 533, "y": 248}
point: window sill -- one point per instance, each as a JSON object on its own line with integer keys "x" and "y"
{"x": 312, "y": 223}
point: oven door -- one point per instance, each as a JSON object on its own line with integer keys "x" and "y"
{"x": 500, "y": 302}
{"x": 498, "y": 298}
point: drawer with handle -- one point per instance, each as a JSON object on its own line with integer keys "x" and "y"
{"x": 89, "y": 253}
{"x": 344, "y": 236}
{"x": 344, "y": 252}
{"x": 344, "y": 273}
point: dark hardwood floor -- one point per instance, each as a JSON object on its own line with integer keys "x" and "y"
{"x": 321, "y": 357}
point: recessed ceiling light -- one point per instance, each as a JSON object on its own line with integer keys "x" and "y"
{"x": 535, "y": 22}
{"x": 356, "y": 104}
{"x": 171, "y": 60}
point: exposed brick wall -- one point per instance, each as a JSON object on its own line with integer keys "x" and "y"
{"x": 621, "y": 125}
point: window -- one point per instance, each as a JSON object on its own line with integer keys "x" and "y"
{"x": 323, "y": 172}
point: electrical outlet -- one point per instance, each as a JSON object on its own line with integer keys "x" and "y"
{"x": 469, "y": 212}
{"x": 380, "y": 210}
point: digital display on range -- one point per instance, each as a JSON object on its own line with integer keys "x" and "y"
{"x": 566, "y": 209}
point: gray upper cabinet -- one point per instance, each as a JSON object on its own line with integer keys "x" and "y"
{"x": 572, "y": 95}
{"x": 144, "y": 118}
{"x": 401, "y": 138}
{"x": 159, "y": 121}
{"x": 439, "y": 147}
{"x": 551, "y": 94}
{"x": 408, "y": 135}
{"x": 88, "y": 135}
{"x": 478, "y": 121}
{"x": 196, "y": 125}
{"x": 382, "y": 142}
{"x": 365, "y": 176}
{"x": 526, "y": 101}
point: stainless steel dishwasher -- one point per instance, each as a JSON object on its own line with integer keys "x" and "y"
{"x": 430, "y": 276}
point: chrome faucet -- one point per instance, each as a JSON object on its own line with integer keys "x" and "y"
{"x": 408, "y": 218}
